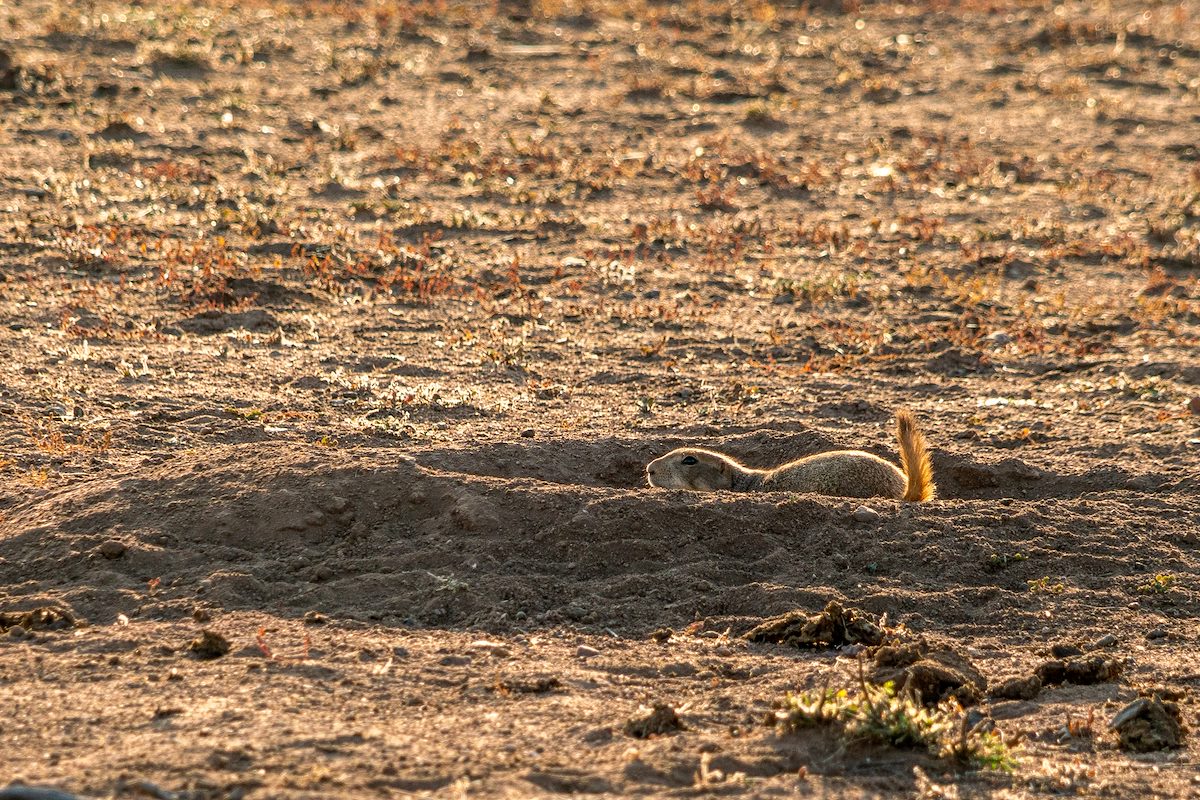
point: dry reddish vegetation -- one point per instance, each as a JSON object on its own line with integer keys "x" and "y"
{"x": 343, "y": 331}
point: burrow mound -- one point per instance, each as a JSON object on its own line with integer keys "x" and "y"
{"x": 376, "y": 535}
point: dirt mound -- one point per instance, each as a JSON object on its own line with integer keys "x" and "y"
{"x": 376, "y": 535}
{"x": 833, "y": 627}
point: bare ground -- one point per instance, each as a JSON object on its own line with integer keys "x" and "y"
{"x": 345, "y": 331}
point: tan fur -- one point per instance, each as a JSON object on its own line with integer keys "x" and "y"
{"x": 841, "y": 473}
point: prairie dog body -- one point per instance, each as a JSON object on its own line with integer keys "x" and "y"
{"x": 840, "y": 473}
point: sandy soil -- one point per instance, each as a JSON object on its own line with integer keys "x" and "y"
{"x": 344, "y": 331}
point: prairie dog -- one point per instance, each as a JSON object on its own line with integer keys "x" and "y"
{"x": 841, "y": 473}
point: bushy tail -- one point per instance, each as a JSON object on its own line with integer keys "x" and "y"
{"x": 914, "y": 458}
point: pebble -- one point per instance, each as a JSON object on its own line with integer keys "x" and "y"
{"x": 1194, "y": 405}
{"x": 1107, "y": 640}
{"x": 1157, "y": 633}
{"x": 865, "y": 514}
{"x": 112, "y": 549}
{"x": 528, "y": 433}
{"x": 494, "y": 648}
{"x": 455, "y": 661}
{"x": 583, "y": 651}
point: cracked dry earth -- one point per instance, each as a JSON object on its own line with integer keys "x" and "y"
{"x": 344, "y": 331}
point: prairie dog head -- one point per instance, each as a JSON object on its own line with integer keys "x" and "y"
{"x": 692, "y": 468}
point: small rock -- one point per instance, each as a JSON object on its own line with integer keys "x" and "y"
{"x": 209, "y": 645}
{"x": 455, "y": 661}
{"x": 998, "y": 338}
{"x": 201, "y": 614}
{"x": 1194, "y": 405}
{"x": 315, "y": 618}
{"x": 498, "y": 649}
{"x": 528, "y": 433}
{"x": 865, "y": 514}
{"x": 112, "y": 549}
{"x": 662, "y": 635}
{"x": 583, "y": 651}
{"x": 1157, "y": 633}
{"x": 1107, "y": 640}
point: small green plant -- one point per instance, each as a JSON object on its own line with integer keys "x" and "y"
{"x": 1161, "y": 583}
{"x": 981, "y": 749}
{"x": 883, "y": 715}
{"x": 805, "y": 710}
{"x": 759, "y": 114}
{"x": 1046, "y": 585}
{"x": 999, "y": 561}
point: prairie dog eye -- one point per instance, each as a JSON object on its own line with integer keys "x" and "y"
{"x": 689, "y": 461}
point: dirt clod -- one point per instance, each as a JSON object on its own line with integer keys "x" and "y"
{"x": 1018, "y": 688}
{"x": 935, "y": 674}
{"x": 112, "y": 548}
{"x": 1149, "y": 724}
{"x": 209, "y": 644}
{"x": 658, "y": 720}
{"x": 835, "y": 626}
{"x": 1082, "y": 670}
{"x": 38, "y": 619}
{"x": 536, "y": 684}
